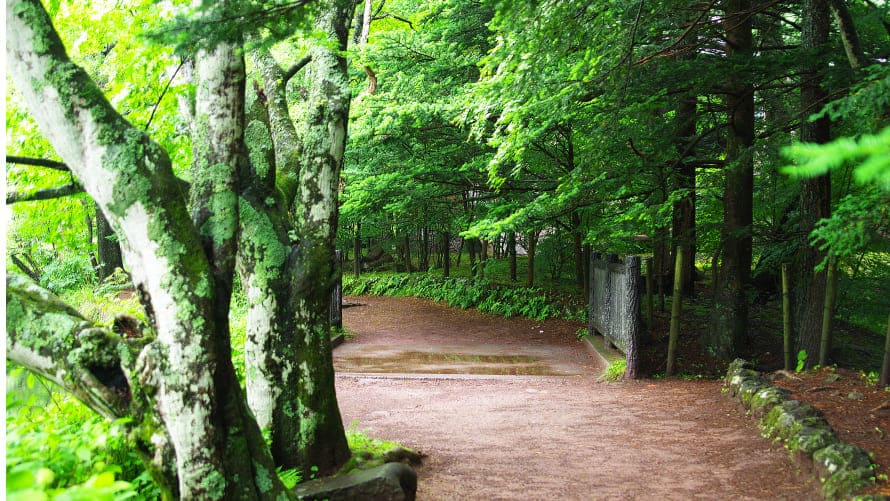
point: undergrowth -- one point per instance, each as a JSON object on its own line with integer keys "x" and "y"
{"x": 466, "y": 293}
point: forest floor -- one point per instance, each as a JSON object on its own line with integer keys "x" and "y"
{"x": 512, "y": 409}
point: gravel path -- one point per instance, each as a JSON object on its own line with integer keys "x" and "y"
{"x": 545, "y": 437}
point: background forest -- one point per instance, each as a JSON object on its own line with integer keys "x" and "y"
{"x": 753, "y": 133}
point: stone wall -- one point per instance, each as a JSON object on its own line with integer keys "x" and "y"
{"x": 842, "y": 468}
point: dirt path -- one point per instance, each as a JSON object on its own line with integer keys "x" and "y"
{"x": 543, "y": 436}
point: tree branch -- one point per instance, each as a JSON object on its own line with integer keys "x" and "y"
{"x": 161, "y": 97}
{"x": 13, "y": 197}
{"x": 50, "y": 338}
{"x": 24, "y": 267}
{"x": 295, "y": 69}
{"x": 38, "y": 162}
{"x": 849, "y": 37}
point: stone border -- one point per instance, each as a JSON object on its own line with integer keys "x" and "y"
{"x": 843, "y": 469}
{"x": 596, "y": 346}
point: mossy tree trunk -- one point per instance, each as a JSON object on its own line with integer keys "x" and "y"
{"x": 322, "y": 439}
{"x": 292, "y": 188}
{"x": 190, "y": 417}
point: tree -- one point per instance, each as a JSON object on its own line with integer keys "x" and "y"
{"x": 729, "y": 324}
{"x": 815, "y": 193}
{"x": 190, "y": 417}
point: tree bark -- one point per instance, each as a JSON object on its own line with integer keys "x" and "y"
{"x": 815, "y": 193}
{"x": 322, "y": 438}
{"x": 729, "y": 320}
{"x": 357, "y": 251}
{"x": 219, "y": 451}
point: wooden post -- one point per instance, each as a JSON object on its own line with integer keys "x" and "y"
{"x": 828, "y": 311}
{"x": 885, "y": 368}
{"x": 675, "y": 312}
{"x": 632, "y": 314}
{"x": 649, "y": 306}
{"x": 786, "y": 315}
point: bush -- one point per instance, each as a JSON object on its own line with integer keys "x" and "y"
{"x": 68, "y": 272}
{"x": 464, "y": 293}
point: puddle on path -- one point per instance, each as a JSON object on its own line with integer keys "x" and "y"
{"x": 425, "y": 362}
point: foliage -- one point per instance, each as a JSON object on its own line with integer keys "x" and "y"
{"x": 615, "y": 370}
{"x": 465, "y": 293}
{"x": 70, "y": 271}
{"x": 801, "y": 360}
{"x": 57, "y": 448}
{"x": 870, "y": 153}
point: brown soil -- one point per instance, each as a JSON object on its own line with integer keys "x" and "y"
{"x": 556, "y": 434}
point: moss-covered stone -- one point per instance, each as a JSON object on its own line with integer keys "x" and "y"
{"x": 810, "y": 438}
{"x": 843, "y": 468}
{"x": 765, "y": 399}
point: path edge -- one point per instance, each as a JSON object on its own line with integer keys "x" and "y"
{"x": 843, "y": 469}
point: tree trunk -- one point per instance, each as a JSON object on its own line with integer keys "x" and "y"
{"x": 729, "y": 320}
{"x": 530, "y": 272}
{"x": 357, "y": 251}
{"x": 815, "y": 193}
{"x": 322, "y": 439}
{"x": 107, "y": 248}
{"x": 684, "y": 209}
{"x": 446, "y": 254}
{"x": 483, "y": 257}
{"x": 406, "y": 252}
{"x": 511, "y": 254}
{"x": 218, "y": 448}
{"x": 424, "y": 249}
{"x": 578, "y": 249}
{"x": 471, "y": 254}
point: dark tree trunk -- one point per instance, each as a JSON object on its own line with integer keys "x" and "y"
{"x": 729, "y": 321}
{"x": 357, "y": 251}
{"x": 424, "y": 249}
{"x": 108, "y": 249}
{"x": 577, "y": 249}
{"x": 530, "y": 272}
{"x": 471, "y": 254}
{"x": 661, "y": 263}
{"x": 684, "y": 209}
{"x": 406, "y": 246}
{"x": 483, "y": 258}
{"x": 446, "y": 254}
{"x": 815, "y": 193}
{"x": 511, "y": 253}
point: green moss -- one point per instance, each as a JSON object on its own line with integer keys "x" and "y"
{"x": 269, "y": 253}
{"x": 214, "y": 485}
{"x": 257, "y": 136}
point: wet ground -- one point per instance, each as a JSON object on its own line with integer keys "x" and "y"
{"x": 550, "y": 432}
{"x": 410, "y": 335}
